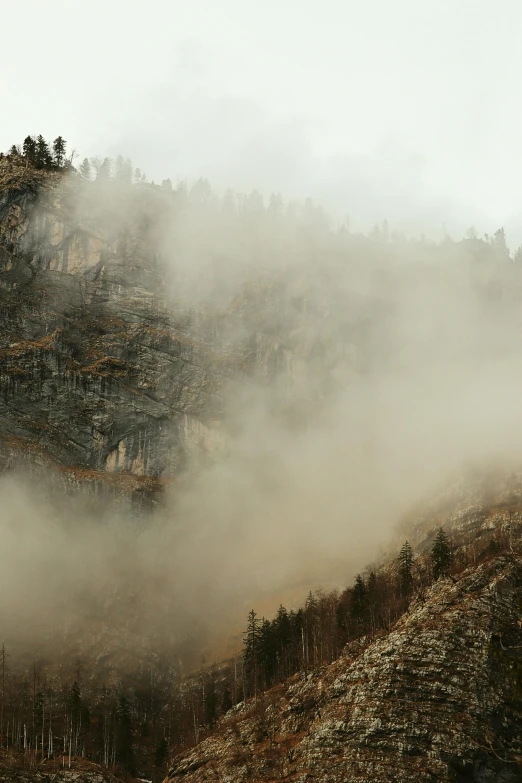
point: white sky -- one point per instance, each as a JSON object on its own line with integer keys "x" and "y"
{"x": 409, "y": 110}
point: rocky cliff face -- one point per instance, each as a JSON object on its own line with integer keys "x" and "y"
{"x": 97, "y": 375}
{"x": 117, "y": 385}
{"x": 438, "y": 698}
{"x": 105, "y": 372}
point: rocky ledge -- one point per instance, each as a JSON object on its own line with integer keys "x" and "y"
{"x": 437, "y": 698}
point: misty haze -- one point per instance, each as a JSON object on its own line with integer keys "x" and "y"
{"x": 260, "y": 371}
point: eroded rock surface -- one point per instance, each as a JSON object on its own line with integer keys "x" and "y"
{"x": 108, "y": 374}
{"x": 438, "y": 698}
{"x": 97, "y": 373}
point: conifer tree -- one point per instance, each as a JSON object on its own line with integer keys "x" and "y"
{"x": 85, "y": 168}
{"x": 405, "y": 569}
{"x": 372, "y": 590}
{"x": 124, "y": 750}
{"x": 43, "y": 157}
{"x": 226, "y": 700}
{"x": 139, "y": 176}
{"x": 251, "y": 650}
{"x": 359, "y": 600}
{"x": 282, "y": 639}
{"x": 75, "y": 701}
{"x": 128, "y": 170}
{"x": 372, "y": 584}
{"x": 211, "y": 703}
{"x": 500, "y": 244}
{"x": 59, "y": 145}
{"x": 118, "y": 167}
{"x": 440, "y": 554}
{"x": 123, "y": 170}
{"x": 104, "y": 171}
{"x": 96, "y": 164}
{"x": 29, "y": 150}
{"x": 268, "y": 651}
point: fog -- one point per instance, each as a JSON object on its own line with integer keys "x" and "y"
{"x": 406, "y": 111}
{"x": 384, "y": 366}
{"x": 381, "y": 369}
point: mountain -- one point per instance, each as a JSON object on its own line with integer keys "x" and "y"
{"x": 205, "y": 403}
{"x": 94, "y": 368}
{"x": 121, "y": 356}
{"x": 433, "y": 696}
{"x": 437, "y": 698}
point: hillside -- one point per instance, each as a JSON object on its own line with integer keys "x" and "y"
{"x": 207, "y": 405}
{"x": 438, "y": 698}
{"x": 15, "y": 768}
{"x": 435, "y": 695}
{"x": 93, "y": 367}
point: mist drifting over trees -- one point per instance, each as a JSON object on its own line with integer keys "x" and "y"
{"x": 368, "y": 370}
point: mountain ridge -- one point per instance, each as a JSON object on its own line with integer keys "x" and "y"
{"x": 117, "y": 386}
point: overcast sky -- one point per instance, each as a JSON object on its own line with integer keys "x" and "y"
{"x": 409, "y": 110}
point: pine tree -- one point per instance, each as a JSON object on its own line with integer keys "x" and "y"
{"x": 43, "y": 157}
{"x": 372, "y": 591}
{"x": 85, "y": 168}
{"x": 13, "y": 150}
{"x": 440, "y": 555}
{"x": 29, "y": 150}
{"x": 201, "y": 192}
{"x": 282, "y": 640}
{"x": 59, "y": 145}
{"x": 500, "y": 244}
{"x": 211, "y": 703}
{"x": 226, "y": 700}
{"x": 359, "y": 601}
{"x": 124, "y": 751}
{"x": 251, "y": 650}
{"x": 96, "y": 164}
{"x": 371, "y": 586}
{"x": 75, "y": 702}
{"x": 138, "y": 176}
{"x": 123, "y": 170}
{"x": 104, "y": 172}
{"x": 405, "y": 569}
{"x": 310, "y": 631}
{"x": 267, "y": 651}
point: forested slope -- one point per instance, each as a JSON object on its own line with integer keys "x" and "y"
{"x": 204, "y": 400}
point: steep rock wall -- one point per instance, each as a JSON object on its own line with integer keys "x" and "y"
{"x": 97, "y": 372}
{"x": 105, "y": 371}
